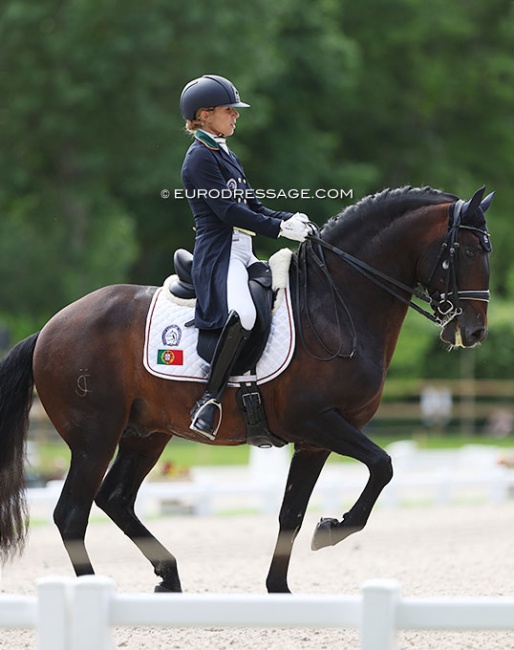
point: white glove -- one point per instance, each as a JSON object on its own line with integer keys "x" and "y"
{"x": 295, "y": 228}
{"x": 310, "y": 225}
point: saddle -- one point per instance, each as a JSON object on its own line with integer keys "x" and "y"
{"x": 248, "y": 396}
{"x": 260, "y": 285}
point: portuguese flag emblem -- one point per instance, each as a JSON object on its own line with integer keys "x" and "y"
{"x": 170, "y": 357}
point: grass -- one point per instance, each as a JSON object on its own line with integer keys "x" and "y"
{"x": 51, "y": 459}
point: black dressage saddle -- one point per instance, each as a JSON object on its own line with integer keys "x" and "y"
{"x": 260, "y": 285}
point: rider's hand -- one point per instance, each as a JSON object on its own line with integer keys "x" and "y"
{"x": 310, "y": 225}
{"x": 295, "y": 228}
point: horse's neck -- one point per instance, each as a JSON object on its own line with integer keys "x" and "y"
{"x": 391, "y": 247}
{"x": 372, "y": 315}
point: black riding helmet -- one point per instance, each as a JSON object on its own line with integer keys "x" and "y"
{"x": 208, "y": 91}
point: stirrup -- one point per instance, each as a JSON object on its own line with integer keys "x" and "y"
{"x": 196, "y": 415}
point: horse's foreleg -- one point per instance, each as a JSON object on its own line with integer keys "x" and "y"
{"x": 304, "y": 471}
{"x": 117, "y": 496}
{"x": 343, "y": 438}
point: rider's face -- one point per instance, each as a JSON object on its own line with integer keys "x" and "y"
{"x": 221, "y": 120}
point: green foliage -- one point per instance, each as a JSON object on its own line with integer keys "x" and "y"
{"x": 416, "y": 338}
{"x": 434, "y": 103}
{"x": 421, "y": 353}
{"x": 344, "y": 95}
{"x": 493, "y": 359}
{"x": 80, "y": 242}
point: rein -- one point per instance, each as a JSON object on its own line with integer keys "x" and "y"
{"x": 446, "y": 305}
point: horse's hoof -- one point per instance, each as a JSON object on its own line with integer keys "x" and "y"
{"x": 162, "y": 589}
{"x": 323, "y": 534}
{"x": 280, "y": 588}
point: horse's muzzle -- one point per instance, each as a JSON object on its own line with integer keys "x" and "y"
{"x": 463, "y": 335}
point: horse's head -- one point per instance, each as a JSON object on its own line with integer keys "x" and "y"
{"x": 459, "y": 280}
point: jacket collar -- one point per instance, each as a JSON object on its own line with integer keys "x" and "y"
{"x": 207, "y": 139}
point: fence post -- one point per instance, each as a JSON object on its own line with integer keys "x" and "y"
{"x": 378, "y": 623}
{"x": 53, "y": 604}
{"x": 91, "y": 625}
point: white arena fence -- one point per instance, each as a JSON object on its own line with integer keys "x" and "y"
{"x": 472, "y": 472}
{"x": 81, "y": 613}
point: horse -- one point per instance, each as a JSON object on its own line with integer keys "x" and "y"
{"x": 351, "y": 283}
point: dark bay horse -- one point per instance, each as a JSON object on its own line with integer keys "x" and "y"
{"x": 351, "y": 287}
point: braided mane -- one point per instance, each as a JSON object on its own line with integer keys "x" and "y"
{"x": 388, "y": 204}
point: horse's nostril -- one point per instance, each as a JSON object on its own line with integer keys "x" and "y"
{"x": 479, "y": 334}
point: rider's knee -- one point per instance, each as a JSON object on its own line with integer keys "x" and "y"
{"x": 247, "y": 316}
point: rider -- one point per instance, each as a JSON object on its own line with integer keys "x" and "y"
{"x": 227, "y": 215}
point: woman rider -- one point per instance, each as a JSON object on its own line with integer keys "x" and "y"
{"x": 227, "y": 216}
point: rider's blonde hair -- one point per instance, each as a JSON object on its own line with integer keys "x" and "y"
{"x": 193, "y": 125}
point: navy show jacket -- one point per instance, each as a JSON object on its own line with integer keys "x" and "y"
{"x": 221, "y": 199}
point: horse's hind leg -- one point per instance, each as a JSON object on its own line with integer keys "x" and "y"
{"x": 117, "y": 496}
{"x": 71, "y": 514}
{"x": 306, "y": 466}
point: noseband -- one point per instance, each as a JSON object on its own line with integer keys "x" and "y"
{"x": 446, "y": 305}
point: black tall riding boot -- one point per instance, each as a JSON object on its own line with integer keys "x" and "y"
{"x": 231, "y": 341}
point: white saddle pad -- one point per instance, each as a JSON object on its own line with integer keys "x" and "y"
{"x": 170, "y": 346}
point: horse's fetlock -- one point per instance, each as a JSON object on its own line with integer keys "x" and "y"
{"x": 167, "y": 571}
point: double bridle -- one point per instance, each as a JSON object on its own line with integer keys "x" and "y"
{"x": 445, "y": 305}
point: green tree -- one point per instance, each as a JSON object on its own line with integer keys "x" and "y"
{"x": 92, "y": 132}
{"x": 343, "y": 95}
{"x": 434, "y": 101}
{"x": 64, "y": 229}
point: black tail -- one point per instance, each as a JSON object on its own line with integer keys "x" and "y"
{"x": 16, "y": 389}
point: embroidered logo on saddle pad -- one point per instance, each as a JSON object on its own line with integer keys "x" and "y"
{"x": 170, "y": 347}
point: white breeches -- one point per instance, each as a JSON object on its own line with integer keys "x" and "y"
{"x": 238, "y": 293}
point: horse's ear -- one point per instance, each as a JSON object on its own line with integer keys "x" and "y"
{"x": 487, "y": 201}
{"x": 471, "y": 206}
